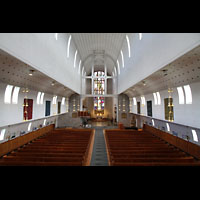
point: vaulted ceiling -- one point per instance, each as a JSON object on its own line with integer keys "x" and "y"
{"x": 182, "y": 71}
{"x": 107, "y": 43}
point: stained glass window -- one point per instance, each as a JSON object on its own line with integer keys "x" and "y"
{"x": 99, "y": 83}
{"x": 98, "y": 103}
{"x": 99, "y": 88}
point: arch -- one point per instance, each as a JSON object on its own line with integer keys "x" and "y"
{"x": 106, "y": 55}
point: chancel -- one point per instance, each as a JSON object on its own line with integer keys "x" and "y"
{"x": 100, "y": 99}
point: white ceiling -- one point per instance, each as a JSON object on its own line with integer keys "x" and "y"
{"x": 109, "y": 43}
{"x": 16, "y": 72}
{"x": 182, "y": 71}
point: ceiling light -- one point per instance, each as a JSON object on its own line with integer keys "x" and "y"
{"x": 31, "y": 72}
{"x": 164, "y": 72}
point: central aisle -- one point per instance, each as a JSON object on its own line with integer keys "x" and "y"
{"x": 99, "y": 155}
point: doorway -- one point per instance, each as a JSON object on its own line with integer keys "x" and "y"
{"x": 149, "y": 108}
{"x": 138, "y": 107}
{"x": 48, "y": 108}
{"x": 59, "y": 107}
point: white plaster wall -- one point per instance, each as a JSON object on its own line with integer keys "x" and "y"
{"x": 186, "y": 114}
{"x": 13, "y": 113}
{"x": 46, "y": 54}
{"x": 150, "y": 54}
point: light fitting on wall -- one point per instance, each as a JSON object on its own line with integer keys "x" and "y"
{"x": 25, "y": 104}
{"x": 170, "y": 105}
{"x": 67, "y": 104}
{"x": 74, "y": 105}
{"x": 25, "y": 90}
{"x": 53, "y": 83}
{"x": 124, "y": 105}
{"x": 144, "y": 83}
{"x": 130, "y": 104}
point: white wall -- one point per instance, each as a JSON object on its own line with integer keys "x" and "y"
{"x": 150, "y": 54}
{"x": 46, "y": 54}
{"x": 186, "y": 114}
{"x": 13, "y": 113}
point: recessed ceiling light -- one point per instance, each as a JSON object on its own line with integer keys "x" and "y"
{"x": 31, "y": 72}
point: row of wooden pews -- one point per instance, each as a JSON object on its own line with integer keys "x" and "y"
{"x": 60, "y": 147}
{"x": 141, "y": 148}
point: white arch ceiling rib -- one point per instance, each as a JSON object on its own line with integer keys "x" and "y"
{"x": 109, "y": 43}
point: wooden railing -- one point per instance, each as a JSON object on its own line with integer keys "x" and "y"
{"x": 182, "y": 144}
{"x": 15, "y": 143}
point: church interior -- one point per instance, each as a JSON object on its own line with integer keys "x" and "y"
{"x": 100, "y": 99}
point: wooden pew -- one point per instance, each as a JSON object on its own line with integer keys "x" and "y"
{"x": 56, "y": 148}
{"x": 134, "y": 148}
{"x": 180, "y": 143}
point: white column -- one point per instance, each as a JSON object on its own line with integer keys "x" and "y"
{"x": 81, "y": 103}
{"x": 105, "y": 71}
{"x": 92, "y": 76}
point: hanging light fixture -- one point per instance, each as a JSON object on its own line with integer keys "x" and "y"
{"x": 170, "y": 105}
{"x": 25, "y": 104}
